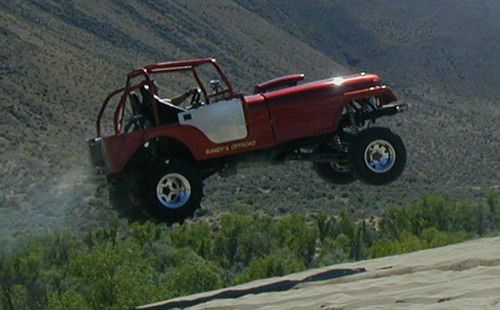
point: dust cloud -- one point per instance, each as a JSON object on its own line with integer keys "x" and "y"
{"x": 72, "y": 200}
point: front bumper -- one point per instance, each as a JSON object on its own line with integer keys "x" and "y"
{"x": 97, "y": 156}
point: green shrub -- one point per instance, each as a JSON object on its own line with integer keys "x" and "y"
{"x": 333, "y": 251}
{"x": 493, "y": 203}
{"x": 234, "y": 230}
{"x": 192, "y": 276}
{"x": 325, "y": 225}
{"x": 299, "y": 236}
{"x": 346, "y": 225}
{"x": 146, "y": 233}
{"x": 241, "y": 237}
{"x": 198, "y": 237}
{"x": 127, "y": 264}
{"x": 385, "y": 247}
{"x": 430, "y": 238}
{"x": 441, "y": 214}
{"x": 69, "y": 299}
{"x": 436, "y": 238}
{"x": 114, "y": 276}
{"x": 272, "y": 265}
{"x": 7, "y": 279}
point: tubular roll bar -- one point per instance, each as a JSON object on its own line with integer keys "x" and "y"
{"x": 147, "y": 71}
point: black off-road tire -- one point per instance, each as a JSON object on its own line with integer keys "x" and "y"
{"x": 125, "y": 195}
{"x": 186, "y": 178}
{"x": 367, "y": 152}
{"x": 329, "y": 173}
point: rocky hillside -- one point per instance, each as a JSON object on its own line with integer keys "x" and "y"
{"x": 59, "y": 60}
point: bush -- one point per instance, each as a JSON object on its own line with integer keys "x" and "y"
{"x": 435, "y": 238}
{"x": 127, "y": 264}
{"x": 384, "y": 247}
{"x": 299, "y": 236}
{"x": 333, "y": 251}
{"x": 233, "y": 240}
{"x": 442, "y": 214}
{"x": 272, "y": 265}
{"x": 114, "y": 276}
{"x": 430, "y": 238}
{"x": 193, "y": 275}
{"x": 198, "y": 237}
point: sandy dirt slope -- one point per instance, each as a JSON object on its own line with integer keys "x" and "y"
{"x": 461, "y": 276}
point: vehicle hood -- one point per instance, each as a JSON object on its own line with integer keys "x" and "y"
{"x": 356, "y": 81}
{"x": 339, "y": 84}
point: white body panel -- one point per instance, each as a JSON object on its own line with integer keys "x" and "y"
{"x": 221, "y": 121}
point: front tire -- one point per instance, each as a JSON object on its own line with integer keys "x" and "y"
{"x": 377, "y": 156}
{"x": 172, "y": 189}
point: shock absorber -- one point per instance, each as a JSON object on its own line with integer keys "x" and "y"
{"x": 337, "y": 142}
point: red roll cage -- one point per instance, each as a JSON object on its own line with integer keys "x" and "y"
{"x": 147, "y": 71}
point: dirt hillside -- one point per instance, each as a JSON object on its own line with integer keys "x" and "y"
{"x": 58, "y": 61}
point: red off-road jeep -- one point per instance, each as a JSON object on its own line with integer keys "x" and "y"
{"x": 163, "y": 146}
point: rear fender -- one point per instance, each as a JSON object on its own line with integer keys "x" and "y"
{"x": 135, "y": 147}
{"x": 117, "y": 150}
{"x": 161, "y": 147}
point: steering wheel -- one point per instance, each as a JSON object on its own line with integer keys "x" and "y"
{"x": 219, "y": 93}
{"x": 137, "y": 122}
{"x": 195, "y": 97}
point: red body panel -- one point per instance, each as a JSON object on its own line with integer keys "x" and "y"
{"x": 120, "y": 148}
{"x": 313, "y": 108}
{"x": 259, "y": 135}
{"x": 305, "y": 113}
{"x": 272, "y": 117}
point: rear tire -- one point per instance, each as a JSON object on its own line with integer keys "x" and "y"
{"x": 125, "y": 195}
{"x": 172, "y": 189}
{"x": 377, "y": 156}
{"x": 337, "y": 172}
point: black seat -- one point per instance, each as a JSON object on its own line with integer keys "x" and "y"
{"x": 140, "y": 118}
{"x": 135, "y": 103}
{"x": 167, "y": 113}
{"x": 146, "y": 98}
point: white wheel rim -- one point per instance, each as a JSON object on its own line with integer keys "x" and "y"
{"x": 173, "y": 190}
{"x": 380, "y": 156}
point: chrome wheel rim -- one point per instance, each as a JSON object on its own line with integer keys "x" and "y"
{"x": 173, "y": 190}
{"x": 380, "y": 156}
